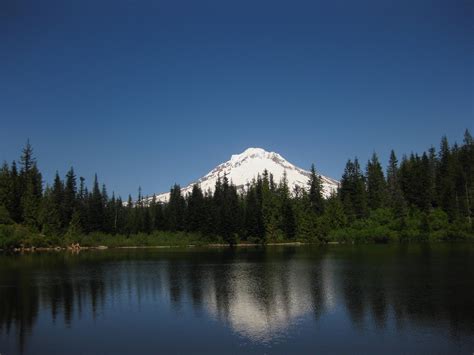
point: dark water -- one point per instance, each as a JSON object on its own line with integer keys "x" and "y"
{"x": 337, "y": 299}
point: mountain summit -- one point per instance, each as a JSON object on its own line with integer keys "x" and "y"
{"x": 243, "y": 167}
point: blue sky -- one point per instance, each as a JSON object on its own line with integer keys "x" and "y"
{"x": 155, "y": 92}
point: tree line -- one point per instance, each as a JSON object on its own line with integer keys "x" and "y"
{"x": 422, "y": 197}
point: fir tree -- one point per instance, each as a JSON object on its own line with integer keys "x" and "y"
{"x": 315, "y": 192}
{"x": 50, "y": 217}
{"x": 195, "y": 211}
{"x": 396, "y": 199}
{"x": 70, "y": 191}
{"x": 353, "y": 191}
{"x": 15, "y": 195}
{"x": 96, "y": 208}
{"x": 175, "y": 209}
{"x": 376, "y": 185}
{"x": 445, "y": 186}
{"x": 57, "y": 200}
{"x": 31, "y": 197}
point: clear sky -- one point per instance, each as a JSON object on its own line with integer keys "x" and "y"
{"x": 155, "y": 92}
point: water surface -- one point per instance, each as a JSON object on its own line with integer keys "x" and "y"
{"x": 334, "y": 299}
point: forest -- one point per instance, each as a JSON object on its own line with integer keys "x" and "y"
{"x": 425, "y": 197}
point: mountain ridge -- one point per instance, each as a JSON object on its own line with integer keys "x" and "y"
{"x": 242, "y": 168}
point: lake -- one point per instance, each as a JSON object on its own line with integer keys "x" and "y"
{"x": 283, "y": 299}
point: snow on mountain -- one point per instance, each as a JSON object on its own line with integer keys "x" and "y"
{"x": 243, "y": 168}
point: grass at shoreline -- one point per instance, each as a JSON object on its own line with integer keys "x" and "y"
{"x": 18, "y": 237}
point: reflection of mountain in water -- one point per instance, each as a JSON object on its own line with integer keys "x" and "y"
{"x": 260, "y": 294}
{"x": 265, "y": 300}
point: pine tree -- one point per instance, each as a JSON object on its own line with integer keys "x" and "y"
{"x": 270, "y": 208}
{"x": 96, "y": 208}
{"x": 27, "y": 160}
{"x": 31, "y": 197}
{"x": 30, "y": 187}
{"x": 5, "y": 186}
{"x": 353, "y": 191}
{"x": 334, "y": 217}
{"x": 288, "y": 219}
{"x": 346, "y": 190}
{"x": 70, "y": 191}
{"x": 138, "y": 213}
{"x": 130, "y": 217}
{"x": 50, "y": 217}
{"x": 228, "y": 212}
{"x": 5, "y": 194}
{"x": 147, "y": 221}
{"x": 82, "y": 205}
{"x": 74, "y": 228}
{"x": 109, "y": 224}
{"x": 254, "y": 221}
{"x": 396, "y": 199}
{"x": 57, "y": 200}
{"x": 15, "y": 195}
{"x": 315, "y": 192}
{"x": 465, "y": 184}
{"x": 445, "y": 181}
{"x": 195, "y": 211}
{"x": 376, "y": 185}
{"x": 175, "y": 210}
{"x": 157, "y": 214}
{"x": 426, "y": 183}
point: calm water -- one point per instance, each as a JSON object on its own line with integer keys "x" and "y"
{"x": 337, "y": 299}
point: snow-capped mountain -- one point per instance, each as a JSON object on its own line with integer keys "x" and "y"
{"x": 244, "y": 167}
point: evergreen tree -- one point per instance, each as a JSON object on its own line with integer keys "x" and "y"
{"x": 14, "y": 195}
{"x": 5, "y": 186}
{"x": 445, "y": 182}
{"x": 70, "y": 191}
{"x": 270, "y": 208}
{"x": 130, "y": 217}
{"x": 156, "y": 214}
{"x": 30, "y": 187}
{"x": 139, "y": 213}
{"x": 175, "y": 210}
{"x": 426, "y": 178}
{"x": 82, "y": 205}
{"x": 376, "y": 185}
{"x": 195, "y": 211}
{"x": 228, "y": 212}
{"x": 288, "y": 219}
{"x": 27, "y": 160}
{"x": 353, "y": 192}
{"x": 254, "y": 222}
{"x": 334, "y": 217}
{"x": 315, "y": 192}
{"x": 96, "y": 208}
{"x": 465, "y": 183}
{"x": 396, "y": 199}
{"x": 74, "y": 228}
{"x": 147, "y": 221}
{"x": 57, "y": 200}
{"x": 50, "y": 217}
{"x": 110, "y": 211}
{"x": 31, "y": 197}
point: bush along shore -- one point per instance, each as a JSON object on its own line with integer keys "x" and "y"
{"x": 422, "y": 197}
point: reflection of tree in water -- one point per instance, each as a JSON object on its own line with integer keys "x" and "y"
{"x": 19, "y": 299}
{"x": 259, "y": 293}
{"x": 415, "y": 283}
{"x": 30, "y": 283}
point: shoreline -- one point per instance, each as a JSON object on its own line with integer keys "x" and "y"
{"x": 78, "y": 248}
{"x": 105, "y": 247}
